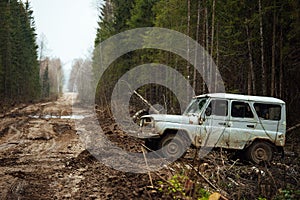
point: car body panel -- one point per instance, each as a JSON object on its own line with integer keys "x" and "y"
{"x": 226, "y": 130}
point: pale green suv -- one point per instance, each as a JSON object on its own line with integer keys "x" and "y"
{"x": 253, "y": 124}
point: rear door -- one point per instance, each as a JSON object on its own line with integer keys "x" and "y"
{"x": 242, "y": 124}
{"x": 269, "y": 116}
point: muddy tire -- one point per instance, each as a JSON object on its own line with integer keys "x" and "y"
{"x": 152, "y": 144}
{"x": 259, "y": 152}
{"x": 173, "y": 145}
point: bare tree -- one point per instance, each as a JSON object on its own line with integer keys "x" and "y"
{"x": 74, "y": 72}
{"x": 251, "y": 75}
{"x": 273, "y": 52}
{"x": 207, "y": 68}
{"x": 197, "y": 39}
{"x": 54, "y": 75}
{"x": 203, "y": 56}
{"x": 281, "y": 67}
{"x": 212, "y": 75}
{"x": 188, "y": 34}
{"x": 263, "y": 70}
{"x": 81, "y": 79}
{"x": 43, "y": 50}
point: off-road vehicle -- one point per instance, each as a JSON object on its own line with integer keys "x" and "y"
{"x": 254, "y": 124}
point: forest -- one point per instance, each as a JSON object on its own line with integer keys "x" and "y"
{"x": 19, "y": 67}
{"x": 26, "y": 75}
{"x": 255, "y": 45}
{"x": 45, "y": 155}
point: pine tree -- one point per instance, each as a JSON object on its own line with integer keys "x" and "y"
{"x": 142, "y": 14}
{"x": 20, "y": 72}
{"x": 5, "y": 46}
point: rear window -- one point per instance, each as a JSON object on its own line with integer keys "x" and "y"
{"x": 241, "y": 110}
{"x": 268, "y": 111}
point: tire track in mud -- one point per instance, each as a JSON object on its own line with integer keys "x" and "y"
{"x": 34, "y": 148}
{"x": 42, "y": 157}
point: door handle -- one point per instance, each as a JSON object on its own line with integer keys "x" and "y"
{"x": 250, "y": 126}
{"x": 222, "y": 123}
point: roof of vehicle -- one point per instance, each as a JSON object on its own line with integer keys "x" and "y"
{"x": 243, "y": 97}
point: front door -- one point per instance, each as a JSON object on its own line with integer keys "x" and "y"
{"x": 215, "y": 126}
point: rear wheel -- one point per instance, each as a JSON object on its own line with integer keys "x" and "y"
{"x": 260, "y": 152}
{"x": 174, "y": 145}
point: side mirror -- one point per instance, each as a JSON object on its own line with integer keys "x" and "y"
{"x": 208, "y": 111}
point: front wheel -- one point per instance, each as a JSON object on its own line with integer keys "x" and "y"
{"x": 173, "y": 146}
{"x": 152, "y": 144}
{"x": 260, "y": 152}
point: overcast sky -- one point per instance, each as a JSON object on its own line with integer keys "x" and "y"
{"x": 69, "y": 27}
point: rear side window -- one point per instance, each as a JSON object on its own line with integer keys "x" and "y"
{"x": 241, "y": 110}
{"x": 219, "y": 107}
{"x": 268, "y": 111}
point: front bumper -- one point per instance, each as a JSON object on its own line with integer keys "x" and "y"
{"x": 146, "y": 132}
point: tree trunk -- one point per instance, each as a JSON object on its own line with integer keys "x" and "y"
{"x": 217, "y": 59}
{"x": 188, "y": 41}
{"x": 263, "y": 70}
{"x": 207, "y": 60}
{"x": 251, "y": 75}
{"x": 212, "y": 78}
{"x": 196, "y": 52}
{"x": 188, "y": 44}
{"x": 281, "y": 67}
{"x": 273, "y": 53}
{"x": 204, "y": 44}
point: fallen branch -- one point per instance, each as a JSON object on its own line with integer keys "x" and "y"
{"x": 293, "y": 128}
{"x": 208, "y": 181}
{"x": 145, "y": 101}
{"x": 233, "y": 164}
{"x": 141, "y": 97}
{"x": 149, "y": 174}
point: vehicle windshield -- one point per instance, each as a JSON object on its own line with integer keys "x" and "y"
{"x": 195, "y": 105}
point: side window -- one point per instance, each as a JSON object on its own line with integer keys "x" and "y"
{"x": 268, "y": 111}
{"x": 241, "y": 110}
{"x": 219, "y": 107}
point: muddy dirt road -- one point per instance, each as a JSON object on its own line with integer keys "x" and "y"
{"x": 34, "y": 149}
{"x": 42, "y": 157}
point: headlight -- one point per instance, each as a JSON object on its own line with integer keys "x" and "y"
{"x": 147, "y": 122}
{"x": 141, "y": 123}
